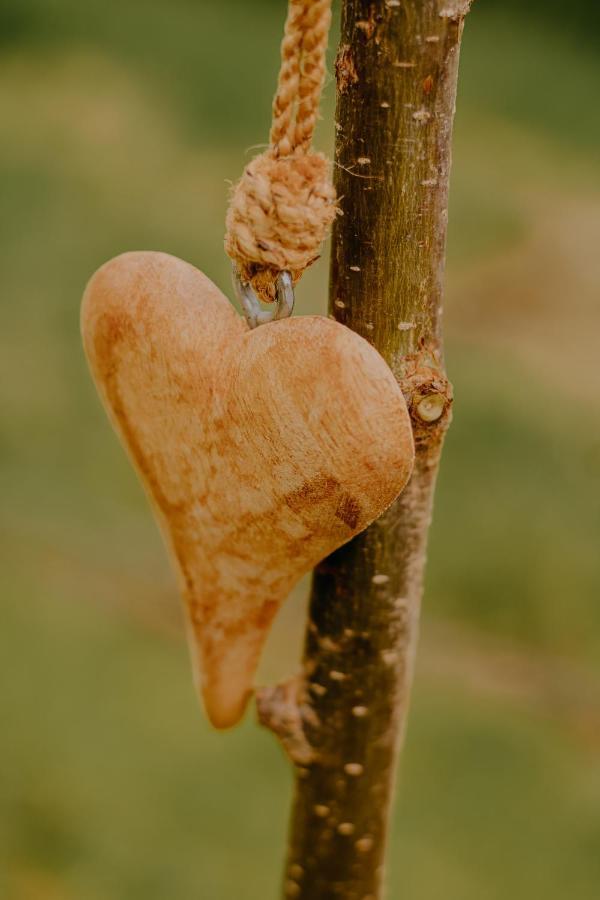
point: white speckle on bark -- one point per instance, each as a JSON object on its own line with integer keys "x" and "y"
{"x": 321, "y": 810}
{"x": 318, "y": 689}
{"x": 337, "y": 676}
{"x": 360, "y": 711}
{"x": 364, "y": 844}
{"x": 326, "y": 643}
{"x": 389, "y": 657}
{"x": 421, "y": 116}
{"x": 354, "y": 769}
{"x": 457, "y": 10}
{"x": 380, "y": 579}
{"x": 345, "y": 828}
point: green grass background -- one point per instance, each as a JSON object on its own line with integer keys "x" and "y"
{"x": 120, "y": 127}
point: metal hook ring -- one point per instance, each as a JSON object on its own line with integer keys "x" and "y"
{"x": 254, "y": 313}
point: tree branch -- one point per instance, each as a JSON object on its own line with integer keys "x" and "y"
{"x": 396, "y": 72}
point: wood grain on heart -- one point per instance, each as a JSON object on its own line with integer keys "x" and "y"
{"x": 262, "y": 451}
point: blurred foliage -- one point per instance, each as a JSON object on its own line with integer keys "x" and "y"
{"x": 580, "y": 17}
{"x": 120, "y": 126}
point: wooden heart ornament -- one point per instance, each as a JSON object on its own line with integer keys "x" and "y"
{"x": 262, "y": 451}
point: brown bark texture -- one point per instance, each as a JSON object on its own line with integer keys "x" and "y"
{"x": 396, "y": 71}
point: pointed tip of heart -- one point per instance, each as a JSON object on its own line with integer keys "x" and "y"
{"x": 224, "y": 707}
{"x": 224, "y": 669}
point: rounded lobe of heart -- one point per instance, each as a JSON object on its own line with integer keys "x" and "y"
{"x": 261, "y": 451}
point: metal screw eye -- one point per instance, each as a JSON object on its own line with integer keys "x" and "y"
{"x": 254, "y": 313}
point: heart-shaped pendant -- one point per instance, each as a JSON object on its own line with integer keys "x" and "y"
{"x": 262, "y": 451}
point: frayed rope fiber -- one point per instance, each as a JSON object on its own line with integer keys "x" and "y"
{"x": 281, "y": 209}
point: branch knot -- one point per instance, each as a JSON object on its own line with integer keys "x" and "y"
{"x": 281, "y": 709}
{"x": 429, "y": 396}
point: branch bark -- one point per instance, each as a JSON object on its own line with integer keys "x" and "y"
{"x": 343, "y": 721}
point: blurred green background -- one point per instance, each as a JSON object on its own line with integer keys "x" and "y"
{"x": 121, "y": 124}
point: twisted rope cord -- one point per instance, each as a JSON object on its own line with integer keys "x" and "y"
{"x": 282, "y": 207}
{"x": 288, "y": 85}
{"x": 301, "y": 77}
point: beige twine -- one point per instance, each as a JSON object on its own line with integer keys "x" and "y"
{"x": 282, "y": 207}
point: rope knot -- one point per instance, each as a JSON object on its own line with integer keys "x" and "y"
{"x": 280, "y": 212}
